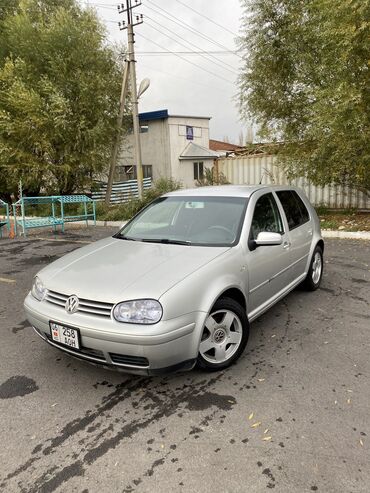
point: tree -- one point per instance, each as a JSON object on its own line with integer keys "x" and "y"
{"x": 59, "y": 94}
{"x": 305, "y": 81}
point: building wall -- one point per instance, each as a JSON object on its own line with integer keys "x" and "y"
{"x": 154, "y": 149}
{"x": 183, "y": 170}
{"x": 162, "y": 145}
{"x": 250, "y": 170}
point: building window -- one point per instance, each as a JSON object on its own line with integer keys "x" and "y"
{"x": 198, "y": 170}
{"x": 129, "y": 172}
{"x": 147, "y": 171}
{"x": 189, "y": 133}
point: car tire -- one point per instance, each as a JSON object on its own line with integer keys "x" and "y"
{"x": 224, "y": 337}
{"x": 315, "y": 271}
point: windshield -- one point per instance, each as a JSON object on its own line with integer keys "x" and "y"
{"x": 211, "y": 221}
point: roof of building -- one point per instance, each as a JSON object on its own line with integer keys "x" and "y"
{"x": 163, "y": 115}
{"x": 219, "y": 145}
{"x": 195, "y": 151}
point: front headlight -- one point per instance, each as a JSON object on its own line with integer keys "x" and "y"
{"x": 138, "y": 312}
{"x": 38, "y": 290}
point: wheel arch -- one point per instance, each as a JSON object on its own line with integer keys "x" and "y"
{"x": 320, "y": 243}
{"x": 235, "y": 293}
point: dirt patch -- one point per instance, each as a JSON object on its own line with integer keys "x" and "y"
{"x": 344, "y": 220}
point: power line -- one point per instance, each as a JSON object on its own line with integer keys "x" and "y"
{"x": 187, "y": 61}
{"x": 209, "y": 58}
{"x": 183, "y": 78}
{"x": 207, "y": 18}
{"x": 184, "y": 25}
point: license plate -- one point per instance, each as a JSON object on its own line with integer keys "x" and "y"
{"x": 65, "y": 335}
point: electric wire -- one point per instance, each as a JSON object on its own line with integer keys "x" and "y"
{"x": 183, "y": 58}
{"x": 207, "y": 18}
{"x": 184, "y": 25}
{"x": 209, "y": 58}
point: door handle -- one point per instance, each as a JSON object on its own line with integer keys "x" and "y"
{"x": 286, "y": 244}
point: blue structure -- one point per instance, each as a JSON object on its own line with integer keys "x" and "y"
{"x": 4, "y": 218}
{"x": 58, "y": 213}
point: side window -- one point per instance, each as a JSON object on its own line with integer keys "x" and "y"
{"x": 266, "y": 217}
{"x": 304, "y": 212}
{"x": 294, "y": 208}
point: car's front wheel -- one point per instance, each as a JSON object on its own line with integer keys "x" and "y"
{"x": 225, "y": 335}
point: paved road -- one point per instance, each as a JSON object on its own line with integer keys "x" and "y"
{"x": 67, "y": 426}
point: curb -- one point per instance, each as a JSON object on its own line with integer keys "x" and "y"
{"x": 346, "y": 235}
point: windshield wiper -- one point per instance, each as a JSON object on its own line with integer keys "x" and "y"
{"x": 166, "y": 241}
{"x": 128, "y": 238}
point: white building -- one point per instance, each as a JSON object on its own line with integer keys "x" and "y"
{"x": 172, "y": 146}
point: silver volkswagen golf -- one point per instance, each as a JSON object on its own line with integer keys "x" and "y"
{"x": 179, "y": 284}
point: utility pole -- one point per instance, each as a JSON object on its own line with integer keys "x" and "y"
{"x": 129, "y": 74}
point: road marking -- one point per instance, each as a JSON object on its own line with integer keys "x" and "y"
{"x": 9, "y": 281}
{"x": 65, "y": 240}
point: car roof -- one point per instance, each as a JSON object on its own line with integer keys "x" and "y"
{"x": 228, "y": 190}
{"x": 220, "y": 190}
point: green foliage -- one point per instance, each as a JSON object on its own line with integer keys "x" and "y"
{"x": 212, "y": 177}
{"x": 306, "y": 81}
{"x": 128, "y": 209}
{"x": 59, "y": 93}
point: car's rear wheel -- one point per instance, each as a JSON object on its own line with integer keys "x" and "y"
{"x": 225, "y": 335}
{"x": 315, "y": 271}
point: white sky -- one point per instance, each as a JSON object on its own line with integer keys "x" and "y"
{"x": 177, "y": 85}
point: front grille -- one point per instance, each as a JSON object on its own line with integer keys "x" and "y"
{"x": 89, "y": 307}
{"x": 124, "y": 359}
{"x": 86, "y": 351}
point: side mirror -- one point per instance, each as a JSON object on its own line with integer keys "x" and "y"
{"x": 266, "y": 238}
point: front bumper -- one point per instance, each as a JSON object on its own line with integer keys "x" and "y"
{"x": 170, "y": 345}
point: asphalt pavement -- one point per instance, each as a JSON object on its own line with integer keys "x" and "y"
{"x": 293, "y": 415}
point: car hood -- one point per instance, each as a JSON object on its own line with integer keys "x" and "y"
{"x": 112, "y": 270}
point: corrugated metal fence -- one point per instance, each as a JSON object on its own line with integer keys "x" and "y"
{"x": 121, "y": 190}
{"x": 248, "y": 170}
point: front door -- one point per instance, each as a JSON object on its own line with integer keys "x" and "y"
{"x": 267, "y": 265}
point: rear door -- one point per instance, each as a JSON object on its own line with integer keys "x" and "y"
{"x": 266, "y": 265}
{"x": 300, "y": 227}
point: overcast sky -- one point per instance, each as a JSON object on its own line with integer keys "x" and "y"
{"x": 186, "y": 84}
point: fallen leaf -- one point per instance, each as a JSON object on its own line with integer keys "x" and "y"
{"x": 162, "y": 446}
{"x": 361, "y": 443}
{"x": 349, "y": 390}
{"x": 273, "y": 335}
{"x": 231, "y": 402}
{"x": 261, "y": 379}
{"x": 348, "y": 401}
{"x": 266, "y": 439}
{"x": 251, "y": 416}
{"x": 265, "y": 431}
{"x": 53, "y": 405}
{"x": 335, "y": 402}
{"x": 256, "y": 424}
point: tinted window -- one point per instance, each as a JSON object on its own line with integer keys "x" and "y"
{"x": 294, "y": 208}
{"x": 266, "y": 216}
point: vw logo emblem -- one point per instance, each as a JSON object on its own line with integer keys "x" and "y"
{"x": 72, "y": 303}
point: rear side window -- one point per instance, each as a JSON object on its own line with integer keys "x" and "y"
{"x": 294, "y": 208}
